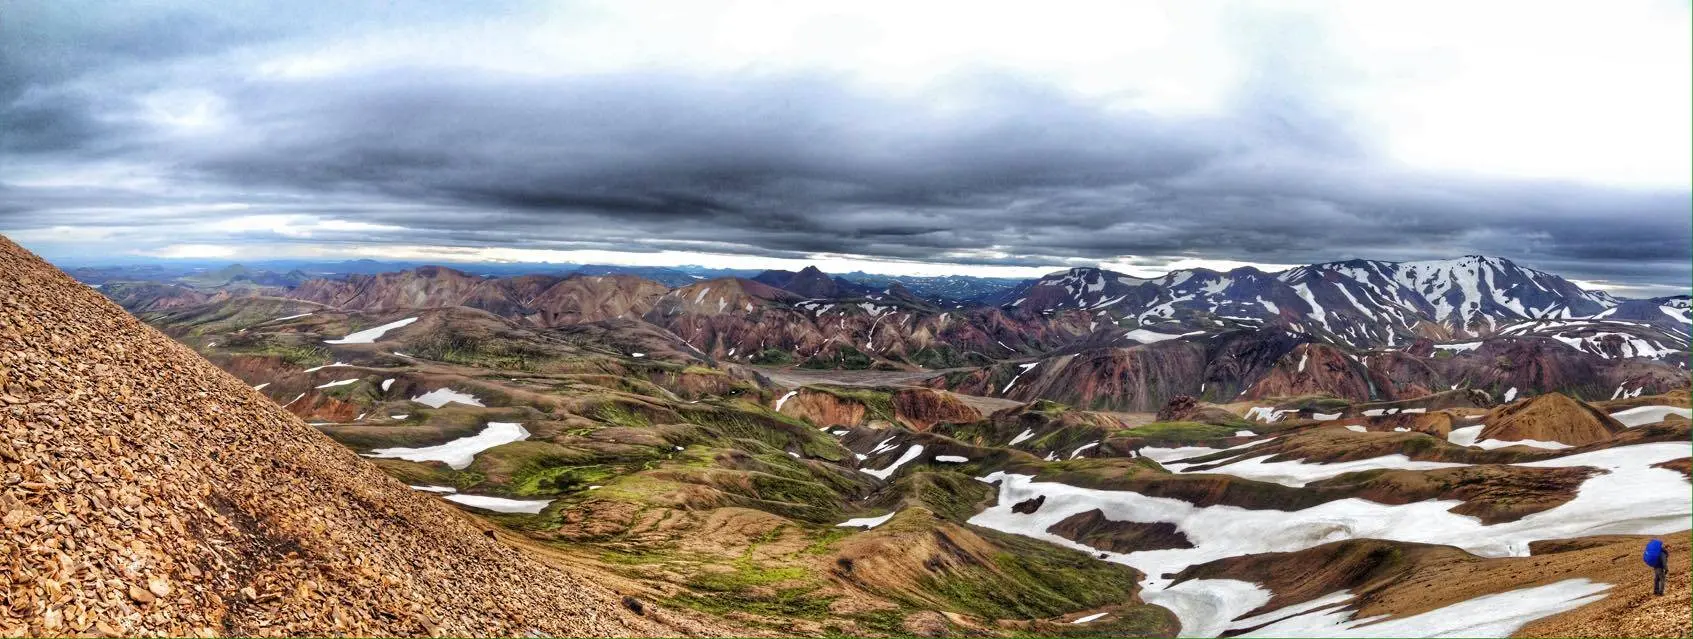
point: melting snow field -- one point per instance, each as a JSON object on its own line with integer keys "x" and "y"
{"x": 1266, "y": 413}
{"x": 443, "y": 396}
{"x": 1495, "y": 615}
{"x": 865, "y": 522}
{"x": 460, "y": 452}
{"x": 1150, "y": 337}
{"x": 1649, "y": 414}
{"x": 500, "y": 504}
{"x": 910, "y": 453}
{"x": 1466, "y": 436}
{"x": 1297, "y": 473}
{"x": 342, "y": 382}
{"x": 1629, "y": 497}
{"x": 370, "y": 335}
{"x": 784, "y": 399}
{"x": 1092, "y": 617}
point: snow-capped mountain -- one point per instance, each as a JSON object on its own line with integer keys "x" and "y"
{"x": 1671, "y": 313}
{"x": 1357, "y": 302}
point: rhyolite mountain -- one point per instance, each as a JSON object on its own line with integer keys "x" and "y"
{"x": 813, "y": 319}
{"x": 813, "y": 283}
{"x": 1355, "y": 302}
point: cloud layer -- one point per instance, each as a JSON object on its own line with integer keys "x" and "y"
{"x": 752, "y": 130}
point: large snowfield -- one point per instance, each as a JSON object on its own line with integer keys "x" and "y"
{"x": 1629, "y": 496}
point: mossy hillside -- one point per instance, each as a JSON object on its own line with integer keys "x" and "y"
{"x": 1181, "y": 432}
{"x": 996, "y": 575}
{"x": 527, "y": 463}
{"x": 1313, "y": 403}
{"x": 878, "y": 404}
{"x": 1142, "y": 620}
{"x": 292, "y": 350}
{"x": 1046, "y": 407}
{"x": 229, "y": 317}
{"x": 757, "y": 456}
{"x": 842, "y": 357}
{"x": 427, "y": 473}
{"x": 1055, "y": 427}
{"x": 773, "y": 589}
{"x": 540, "y": 480}
{"x": 573, "y": 383}
{"x": 800, "y": 500}
{"x": 745, "y": 420}
{"x": 439, "y": 429}
{"x": 493, "y": 352}
{"x": 773, "y": 357}
{"x": 949, "y": 495}
{"x": 1097, "y": 472}
{"x": 944, "y": 356}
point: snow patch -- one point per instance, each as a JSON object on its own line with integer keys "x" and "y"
{"x": 1495, "y": 615}
{"x": 1093, "y": 617}
{"x": 443, "y": 396}
{"x": 1151, "y": 337}
{"x": 370, "y": 335}
{"x": 1019, "y": 375}
{"x": 784, "y": 399}
{"x": 501, "y": 504}
{"x": 460, "y": 452}
{"x": 1648, "y": 415}
{"x": 910, "y": 453}
{"x": 865, "y": 522}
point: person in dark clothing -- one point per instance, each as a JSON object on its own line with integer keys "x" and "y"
{"x": 1657, "y": 556}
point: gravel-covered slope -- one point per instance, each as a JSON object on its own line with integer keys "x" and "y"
{"x": 144, "y": 491}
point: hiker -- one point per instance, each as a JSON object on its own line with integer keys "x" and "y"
{"x": 1657, "y": 557}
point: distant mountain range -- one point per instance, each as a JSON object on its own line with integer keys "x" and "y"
{"x": 1356, "y": 302}
{"x": 819, "y": 320}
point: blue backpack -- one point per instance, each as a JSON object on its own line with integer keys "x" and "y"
{"x": 1654, "y": 553}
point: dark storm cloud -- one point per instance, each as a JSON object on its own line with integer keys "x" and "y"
{"x": 769, "y": 164}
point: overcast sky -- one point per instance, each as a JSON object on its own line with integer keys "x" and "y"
{"x": 977, "y": 137}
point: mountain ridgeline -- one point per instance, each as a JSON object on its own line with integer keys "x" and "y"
{"x": 1095, "y": 337}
